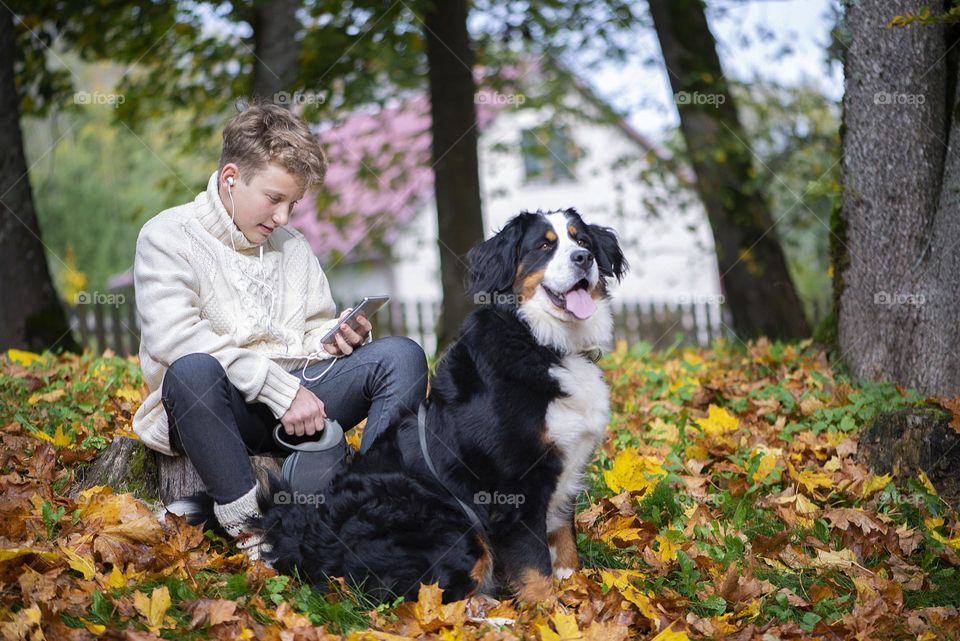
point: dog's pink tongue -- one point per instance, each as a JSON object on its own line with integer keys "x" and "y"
{"x": 580, "y": 304}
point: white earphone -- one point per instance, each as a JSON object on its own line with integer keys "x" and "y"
{"x": 262, "y": 283}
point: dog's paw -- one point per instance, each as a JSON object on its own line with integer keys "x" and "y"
{"x": 563, "y": 573}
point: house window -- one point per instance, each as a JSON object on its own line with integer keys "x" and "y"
{"x": 549, "y": 155}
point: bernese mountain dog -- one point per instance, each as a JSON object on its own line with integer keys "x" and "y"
{"x": 477, "y": 490}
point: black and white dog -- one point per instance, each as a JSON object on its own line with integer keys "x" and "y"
{"x": 515, "y": 412}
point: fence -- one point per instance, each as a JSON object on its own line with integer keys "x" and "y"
{"x": 114, "y": 325}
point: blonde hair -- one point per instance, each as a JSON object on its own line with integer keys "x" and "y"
{"x": 267, "y": 133}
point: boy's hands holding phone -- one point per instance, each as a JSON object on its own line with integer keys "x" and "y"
{"x": 347, "y": 337}
{"x": 306, "y": 413}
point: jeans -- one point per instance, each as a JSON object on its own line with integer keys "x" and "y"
{"x": 211, "y": 423}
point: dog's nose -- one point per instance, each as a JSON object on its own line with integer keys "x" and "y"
{"x": 582, "y": 258}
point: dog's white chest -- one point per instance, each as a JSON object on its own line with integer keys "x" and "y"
{"x": 575, "y": 424}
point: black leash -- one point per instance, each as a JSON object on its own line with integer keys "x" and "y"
{"x": 471, "y": 514}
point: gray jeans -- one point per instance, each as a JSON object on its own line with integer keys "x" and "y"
{"x": 212, "y": 424}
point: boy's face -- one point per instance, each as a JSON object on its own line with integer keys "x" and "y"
{"x": 262, "y": 202}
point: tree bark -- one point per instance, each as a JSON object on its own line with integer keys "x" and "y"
{"x": 753, "y": 271}
{"x": 31, "y": 316}
{"x": 900, "y": 292}
{"x": 455, "y": 164}
{"x": 912, "y": 440}
{"x": 275, "y": 48}
{"x": 127, "y": 465}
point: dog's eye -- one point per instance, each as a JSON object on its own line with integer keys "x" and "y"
{"x": 545, "y": 245}
{"x": 582, "y": 241}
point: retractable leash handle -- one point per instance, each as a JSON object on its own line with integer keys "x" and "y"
{"x": 330, "y": 437}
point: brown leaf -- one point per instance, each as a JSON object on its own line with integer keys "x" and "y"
{"x": 210, "y": 612}
{"x": 844, "y": 517}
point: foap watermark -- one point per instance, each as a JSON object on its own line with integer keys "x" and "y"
{"x": 699, "y": 98}
{"x": 299, "y": 498}
{"x": 899, "y": 298}
{"x": 497, "y": 98}
{"x": 96, "y": 98}
{"x": 99, "y": 298}
{"x": 497, "y": 298}
{"x": 897, "y": 98}
{"x": 299, "y": 98}
{"x": 499, "y": 498}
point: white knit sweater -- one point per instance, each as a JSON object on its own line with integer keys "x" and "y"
{"x": 196, "y": 294}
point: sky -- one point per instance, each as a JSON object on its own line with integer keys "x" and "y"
{"x": 642, "y": 91}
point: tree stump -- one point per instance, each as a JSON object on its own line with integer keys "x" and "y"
{"x": 127, "y": 465}
{"x": 918, "y": 438}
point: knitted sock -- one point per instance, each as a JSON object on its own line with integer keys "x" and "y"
{"x": 233, "y": 515}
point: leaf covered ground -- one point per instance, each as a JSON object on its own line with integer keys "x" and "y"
{"x": 727, "y": 503}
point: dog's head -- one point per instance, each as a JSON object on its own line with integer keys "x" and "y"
{"x": 553, "y": 266}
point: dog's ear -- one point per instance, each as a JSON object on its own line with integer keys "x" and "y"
{"x": 610, "y": 259}
{"x": 493, "y": 263}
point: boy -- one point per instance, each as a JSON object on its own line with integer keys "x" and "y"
{"x": 232, "y": 307}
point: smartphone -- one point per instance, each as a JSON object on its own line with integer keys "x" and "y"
{"x": 369, "y": 306}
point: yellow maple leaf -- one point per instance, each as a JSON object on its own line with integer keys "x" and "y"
{"x": 23, "y": 358}
{"x": 874, "y": 484}
{"x": 697, "y": 452}
{"x": 11, "y": 553}
{"x": 621, "y": 580}
{"x": 432, "y": 613}
{"x": 954, "y": 542}
{"x": 768, "y": 462}
{"x": 81, "y": 563}
{"x": 59, "y": 438}
{"x": 49, "y": 397}
{"x": 751, "y": 610}
{"x": 154, "y": 607}
{"x": 96, "y": 628}
{"x": 633, "y": 473}
{"x": 669, "y": 635}
{"x": 128, "y": 394}
{"x": 812, "y": 480}
{"x": 926, "y": 483}
{"x": 684, "y": 382}
{"x": 566, "y": 625}
{"x": 668, "y": 549}
{"x": 115, "y": 580}
{"x": 718, "y": 421}
{"x": 660, "y": 430}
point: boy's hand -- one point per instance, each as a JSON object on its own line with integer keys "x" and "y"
{"x": 305, "y": 415}
{"x": 347, "y": 338}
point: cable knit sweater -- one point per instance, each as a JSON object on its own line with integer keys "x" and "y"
{"x": 196, "y": 294}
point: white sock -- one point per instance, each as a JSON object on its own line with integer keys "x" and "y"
{"x": 233, "y": 516}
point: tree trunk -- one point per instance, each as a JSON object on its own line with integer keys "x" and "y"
{"x": 753, "y": 271}
{"x": 275, "y": 48}
{"x": 455, "y": 165}
{"x": 31, "y": 316}
{"x": 912, "y": 440}
{"x": 900, "y": 292}
{"x": 127, "y": 465}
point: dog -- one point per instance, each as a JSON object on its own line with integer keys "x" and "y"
{"x": 477, "y": 490}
